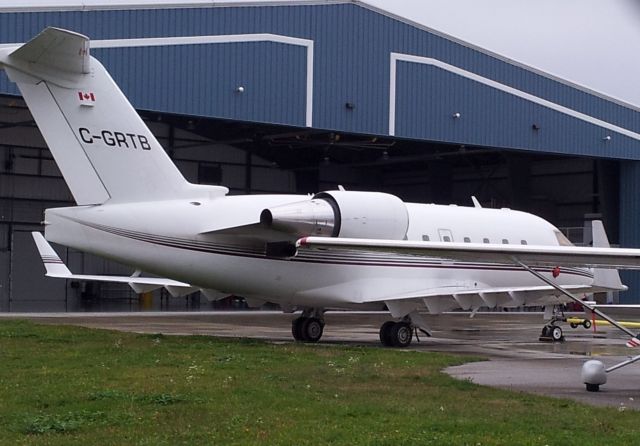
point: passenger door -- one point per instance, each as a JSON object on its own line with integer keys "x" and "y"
{"x": 445, "y": 235}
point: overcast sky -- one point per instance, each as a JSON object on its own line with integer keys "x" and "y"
{"x": 595, "y": 43}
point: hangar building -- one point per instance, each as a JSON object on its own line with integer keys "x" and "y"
{"x": 302, "y": 96}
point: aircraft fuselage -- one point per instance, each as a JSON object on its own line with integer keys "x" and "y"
{"x": 185, "y": 240}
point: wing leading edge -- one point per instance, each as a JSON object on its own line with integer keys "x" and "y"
{"x": 532, "y": 255}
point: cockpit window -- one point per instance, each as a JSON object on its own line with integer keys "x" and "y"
{"x": 562, "y": 240}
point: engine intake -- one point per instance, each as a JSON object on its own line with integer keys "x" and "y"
{"x": 342, "y": 214}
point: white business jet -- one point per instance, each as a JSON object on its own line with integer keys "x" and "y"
{"x": 336, "y": 249}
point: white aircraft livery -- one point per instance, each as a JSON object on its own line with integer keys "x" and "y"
{"x": 337, "y": 249}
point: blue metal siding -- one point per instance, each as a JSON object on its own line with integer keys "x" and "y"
{"x": 6, "y": 86}
{"x": 202, "y": 79}
{"x": 427, "y": 98}
{"x": 351, "y": 64}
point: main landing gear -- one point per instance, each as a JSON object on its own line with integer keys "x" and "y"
{"x": 400, "y": 334}
{"x": 396, "y": 334}
{"x": 309, "y": 326}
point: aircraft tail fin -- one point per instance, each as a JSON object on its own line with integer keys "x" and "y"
{"x": 101, "y": 145}
{"x": 606, "y": 278}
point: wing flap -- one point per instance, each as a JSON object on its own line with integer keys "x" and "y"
{"x": 438, "y": 300}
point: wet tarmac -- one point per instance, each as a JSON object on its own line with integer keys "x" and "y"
{"x": 516, "y": 359}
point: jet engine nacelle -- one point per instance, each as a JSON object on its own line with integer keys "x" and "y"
{"x": 342, "y": 214}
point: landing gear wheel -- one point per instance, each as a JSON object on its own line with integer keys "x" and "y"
{"x": 296, "y": 329}
{"x": 556, "y": 333}
{"x": 385, "y": 333}
{"x": 312, "y": 329}
{"x": 401, "y": 334}
{"x": 586, "y": 324}
{"x": 593, "y": 387}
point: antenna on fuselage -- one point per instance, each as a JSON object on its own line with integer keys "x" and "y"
{"x": 476, "y": 203}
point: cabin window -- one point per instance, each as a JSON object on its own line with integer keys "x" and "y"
{"x": 446, "y": 238}
{"x": 485, "y": 240}
{"x": 425, "y": 238}
{"x": 467, "y": 240}
{"x": 523, "y": 242}
{"x": 505, "y": 241}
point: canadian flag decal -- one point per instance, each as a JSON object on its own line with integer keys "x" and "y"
{"x": 87, "y": 98}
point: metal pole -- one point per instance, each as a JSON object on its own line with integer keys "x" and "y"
{"x": 575, "y": 299}
{"x": 622, "y": 364}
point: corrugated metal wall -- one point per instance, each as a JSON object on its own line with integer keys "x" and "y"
{"x": 352, "y": 46}
{"x": 203, "y": 80}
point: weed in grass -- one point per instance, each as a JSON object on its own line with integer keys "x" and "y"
{"x": 69, "y": 422}
{"x": 162, "y": 399}
{"x": 109, "y": 394}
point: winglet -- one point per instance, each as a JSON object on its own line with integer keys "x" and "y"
{"x": 53, "y": 264}
{"x": 607, "y": 278}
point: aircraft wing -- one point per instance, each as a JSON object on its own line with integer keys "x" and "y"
{"x": 508, "y": 293}
{"x": 55, "y": 267}
{"x": 531, "y": 255}
{"x": 447, "y": 299}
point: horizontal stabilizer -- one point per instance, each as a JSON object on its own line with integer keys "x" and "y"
{"x": 56, "y": 49}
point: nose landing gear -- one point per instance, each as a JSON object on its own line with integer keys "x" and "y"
{"x": 552, "y": 332}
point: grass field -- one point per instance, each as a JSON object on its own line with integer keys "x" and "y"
{"x": 72, "y": 386}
